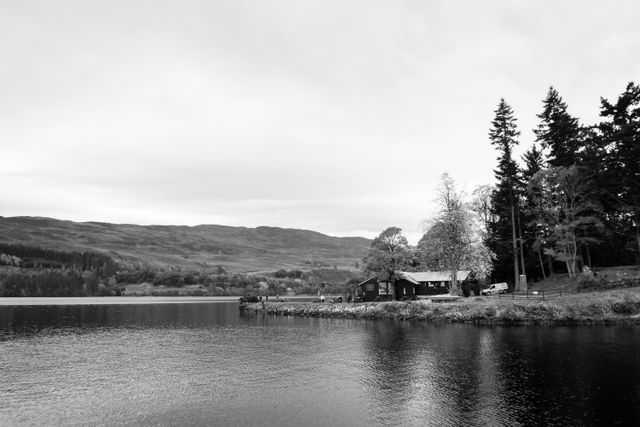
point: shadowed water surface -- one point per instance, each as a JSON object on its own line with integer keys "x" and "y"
{"x": 197, "y": 364}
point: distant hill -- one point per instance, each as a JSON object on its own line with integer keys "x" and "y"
{"x": 202, "y": 247}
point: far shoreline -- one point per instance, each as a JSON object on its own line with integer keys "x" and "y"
{"x": 112, "y": 300}
{"x": 133, "y": 299}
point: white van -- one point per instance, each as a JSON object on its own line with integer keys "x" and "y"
{"x": 496, "y": 288}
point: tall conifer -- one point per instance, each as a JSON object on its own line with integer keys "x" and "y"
{"x": 504, "y": 136}
{"x": 558, "y": 132}
{"x": 621, "y": 134}
{"x": 533, "y": 162}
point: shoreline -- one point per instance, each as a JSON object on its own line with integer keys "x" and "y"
{"x": 108, "y": 300}
{"x": 598, "y": 308}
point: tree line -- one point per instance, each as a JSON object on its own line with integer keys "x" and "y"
{"x": 35, "y": 257}
{"x": 223, "y": 283}
{"x": 53, "y": 283}
{"x": 31, "y": 271}
{"x": 38, "y": 272}
{"x": 572, "y": 201}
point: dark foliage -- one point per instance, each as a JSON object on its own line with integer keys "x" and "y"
{"x": 608, "y": 156}
{"x": 53, "y": 283}
{"x": 503, "y": 135}
{"x": 34, "y": 257}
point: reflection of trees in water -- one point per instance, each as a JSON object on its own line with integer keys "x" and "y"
{"x": 477, "y": 375}
{"x": 419, "y": 371}
{"x": 389, "y": 357}
{"x": 570, "y": 375}
{"x": 485, "y": 405}
{"x": 27, "y": 320}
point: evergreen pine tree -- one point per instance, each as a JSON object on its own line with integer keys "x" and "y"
{"x": 533, "y": 161}
{"x": 621, "y": 136}
{"x": 558, "y": 132}
{"x": 504, "y": 136}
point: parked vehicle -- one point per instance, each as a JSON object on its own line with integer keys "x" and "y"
{"x": 496, "y": 288}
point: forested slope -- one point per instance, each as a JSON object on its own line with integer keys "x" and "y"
{"x": 202, "y": 247}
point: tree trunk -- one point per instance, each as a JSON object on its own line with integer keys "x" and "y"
{"x": 550, "y": 262}
{"x": 454, "y": 290}
{"x": 524, "y": 269}
{"x": 574, "y": 254}
{"x": 516, "y": 271}
{"x": 568, "y": 264}
{"x": 544, "y": 276}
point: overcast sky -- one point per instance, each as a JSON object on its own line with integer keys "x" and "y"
{"x": 334, "y": 116}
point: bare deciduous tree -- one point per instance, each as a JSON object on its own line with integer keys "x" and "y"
{"x": 452, "y": 242}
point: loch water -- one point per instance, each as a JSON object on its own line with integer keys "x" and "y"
{"x": 210, "y": 364}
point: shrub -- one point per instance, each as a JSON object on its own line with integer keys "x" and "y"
{"x": 417, "y": 310}
{"x": 590, "y": 282}
{"x": 110, "y": 291}
{"x": 281, "y": 274}
{"x": 490, "y": 312}
{"x": 392, "y": 307}
{"x": 218, "y": 291}
{"x": 627, "y": 306}
{"x": 512, "y": 313}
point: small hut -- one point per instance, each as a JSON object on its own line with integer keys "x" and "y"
{"x": 408, "y": 285}
{"x": 374, "y": 290}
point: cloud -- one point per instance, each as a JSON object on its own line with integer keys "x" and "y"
{"x": 333, "y": 116}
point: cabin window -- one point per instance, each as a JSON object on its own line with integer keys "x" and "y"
{"x": 371, "y": 287}
{"x": 404, "y": 291}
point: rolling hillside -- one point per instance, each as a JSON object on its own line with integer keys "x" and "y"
{"x": 202, "y": 247}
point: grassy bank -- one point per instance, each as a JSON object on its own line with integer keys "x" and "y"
{"x": 614, "y": 307}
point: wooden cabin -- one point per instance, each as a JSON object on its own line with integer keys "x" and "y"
{"x": 408, "y": 285}
{"x": 405, "y": 288}
{"x": 373, "y": 290}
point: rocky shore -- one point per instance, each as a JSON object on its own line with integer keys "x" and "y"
{"x": 592, "y": 308}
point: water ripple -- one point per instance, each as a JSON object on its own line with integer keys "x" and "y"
{"x": 201, "y": 365}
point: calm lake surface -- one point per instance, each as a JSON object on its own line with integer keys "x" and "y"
{"x": 207, "y": 364}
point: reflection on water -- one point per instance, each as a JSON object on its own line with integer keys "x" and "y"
{"x": 24, "y": 320}
{"x": 208, "y": 364}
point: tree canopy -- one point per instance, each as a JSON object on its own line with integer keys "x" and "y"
{"x": 453, "y": 242}
{"x": 504, "y": 201}
{"x": 389, "y": 254}
{"x": 575, "y": 200}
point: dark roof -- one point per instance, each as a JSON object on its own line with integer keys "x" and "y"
{"x": 369, "y": 279}
{"x": 417, "y": 277}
